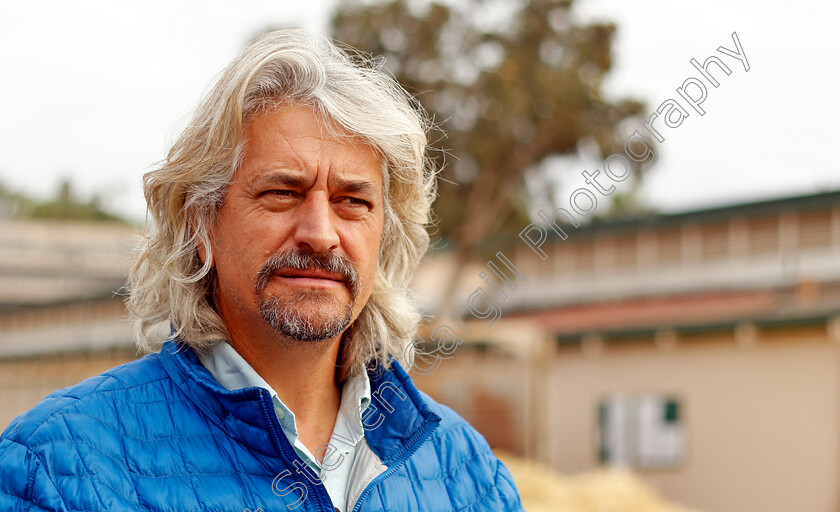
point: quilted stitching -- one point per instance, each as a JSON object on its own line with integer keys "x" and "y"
{"x": 134, "y": 438}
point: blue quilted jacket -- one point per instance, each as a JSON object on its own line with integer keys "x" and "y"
{"x": 160, "y": 434}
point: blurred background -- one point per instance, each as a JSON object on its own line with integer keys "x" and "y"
{"x": 678, "y": 350}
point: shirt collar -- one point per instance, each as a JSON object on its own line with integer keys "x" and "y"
{"x": 355, "y": 398}
{"x": 232, "y": 371}
{"x": 390, "y": 431}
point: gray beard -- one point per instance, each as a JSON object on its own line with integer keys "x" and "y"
{"x": 287, "y": 319}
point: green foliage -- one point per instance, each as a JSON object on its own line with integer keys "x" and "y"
{"x": 13, "y": 204}
{"x": 64, "y": 206}
{"x": 510, "y": 84}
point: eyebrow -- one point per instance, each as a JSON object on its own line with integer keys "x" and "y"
{"x": 356, "y": 186}
{"x": 285, "y": 179}
{"x": 280, "y": 179}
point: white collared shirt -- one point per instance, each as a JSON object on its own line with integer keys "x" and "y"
{"x": 335, "y": 466}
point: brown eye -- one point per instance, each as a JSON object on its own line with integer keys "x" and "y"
{"x": 353, "y": 207}
{"x": 356, "y": 204}
{"x": 356, "y": 200}
{"x": 278, "y": 195}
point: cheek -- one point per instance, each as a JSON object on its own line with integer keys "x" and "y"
{"x": 367, "y": 268}
{"x": 253, "y": 239}
{"x": 369, "y": 262}
{"x": 376, "y": 248}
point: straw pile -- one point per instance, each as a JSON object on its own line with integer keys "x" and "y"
{"x": 544, "y": 490}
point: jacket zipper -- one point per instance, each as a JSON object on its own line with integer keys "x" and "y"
{"x": 271, "y": 419}
{"x": 418, "y": 440}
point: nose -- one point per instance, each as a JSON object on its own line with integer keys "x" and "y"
{"x": 315, "y": 224}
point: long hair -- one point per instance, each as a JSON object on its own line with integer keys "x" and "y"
{"x": 168, "y": 281}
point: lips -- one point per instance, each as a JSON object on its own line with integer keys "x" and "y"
{"x": 310, "y": 274}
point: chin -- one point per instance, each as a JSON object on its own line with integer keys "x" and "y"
{"x": 295, "y": 321}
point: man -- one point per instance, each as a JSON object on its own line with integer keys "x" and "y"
{"x": 288, "y": 220}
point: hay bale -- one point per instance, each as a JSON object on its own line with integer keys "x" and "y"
{"x": 604, "y": 490}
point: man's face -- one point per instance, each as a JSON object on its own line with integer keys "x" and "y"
{"x": 296, "y": 242}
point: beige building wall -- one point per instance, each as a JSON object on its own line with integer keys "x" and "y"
{"x": 763, "y": 421}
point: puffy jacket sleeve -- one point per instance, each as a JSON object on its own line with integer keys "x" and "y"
{"x": 25, "y": 484}
{"x": 507, "y": 488}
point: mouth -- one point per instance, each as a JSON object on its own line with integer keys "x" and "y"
{"x": 311, "y": 277}
{"x": 303, "y": 269}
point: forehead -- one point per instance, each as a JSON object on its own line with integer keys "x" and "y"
{"x": 293, "y": 140}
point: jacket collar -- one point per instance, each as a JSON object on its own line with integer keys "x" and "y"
{"x": 398, "y": 414}
{"x": 394, "y": 421}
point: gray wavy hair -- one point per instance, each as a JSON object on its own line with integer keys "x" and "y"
{"x": 168, "y": 281}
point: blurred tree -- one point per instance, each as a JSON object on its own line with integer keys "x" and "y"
{"x": 625, "y": 203}
{"x": 14, "y": 204}
{"x": 510, "y": 83}
{"x": 66, "y": 206}
{"x": 509, "y": 91}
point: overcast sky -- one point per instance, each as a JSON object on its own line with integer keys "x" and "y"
{"x": 95, "y": 91}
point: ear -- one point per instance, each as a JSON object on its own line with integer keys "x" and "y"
{"x": 202, "y": 251}
{"x": 201, "y": 245}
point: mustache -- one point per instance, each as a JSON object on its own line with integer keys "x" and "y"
{"x": 303, "y": 259}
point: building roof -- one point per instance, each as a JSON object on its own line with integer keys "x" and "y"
{"x": 711, "y": 214}
{"x": 808, "y": 302}
{"x": 50, "y": 262}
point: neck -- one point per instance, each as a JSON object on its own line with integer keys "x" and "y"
{"x": 303, "y": 375}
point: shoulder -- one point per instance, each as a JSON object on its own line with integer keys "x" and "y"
{"x": 93, "y": 403}
{"x": 455, "y": 428}
{"x": 465, "y": 457}
{"x": 80, "y": 434}
{"x": 454, "y": 463}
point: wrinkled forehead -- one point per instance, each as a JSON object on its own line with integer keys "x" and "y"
{"x": 313, "y": 122}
